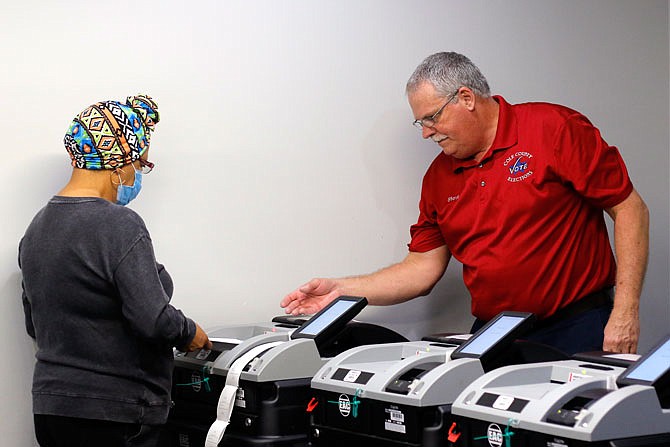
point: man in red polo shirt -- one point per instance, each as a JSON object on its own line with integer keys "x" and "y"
{"x": 518, "y": 196}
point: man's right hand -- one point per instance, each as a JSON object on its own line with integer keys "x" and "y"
{"x": 414, "y": 276}
{"x": 311, "y": 297}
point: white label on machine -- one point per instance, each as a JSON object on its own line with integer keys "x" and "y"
{"x": 575, "y": 376}
{"x": 556, "y": 443}
{"x": 235, "y": 341}
{"x": 503, "y": 402}
{"x": 460, "y": 336}
{"x": 629, "y": 357}
{"x": 202, "y": 355}
{"x": 352, "y": 376}
{"x": 395, "y": 420}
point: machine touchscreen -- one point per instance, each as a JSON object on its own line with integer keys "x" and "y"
{"x": 331, "y": 319}
{"x": 495, "y": 335}
{"x": 652, "y": 368}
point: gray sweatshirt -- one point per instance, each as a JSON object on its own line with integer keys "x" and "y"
{"x": 97, "y": 303}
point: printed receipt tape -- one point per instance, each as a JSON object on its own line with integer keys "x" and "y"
{"x": 215, "y": 433}
{"x": 227, "y": 398}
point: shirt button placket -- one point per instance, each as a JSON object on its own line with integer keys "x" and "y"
{"x": 482, "y": 183}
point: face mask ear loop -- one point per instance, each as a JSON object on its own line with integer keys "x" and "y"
{"x": 118, "y": 173}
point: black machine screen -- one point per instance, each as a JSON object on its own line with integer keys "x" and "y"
{"x": 331, "y": 318}
{"x": 327, "y": 317}
{"x": 650, "y": 368}
{"x": 501, "y": 331}
{"x": 495, "y": 332}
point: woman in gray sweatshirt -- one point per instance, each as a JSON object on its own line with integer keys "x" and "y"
{"x": 95, "y": 299}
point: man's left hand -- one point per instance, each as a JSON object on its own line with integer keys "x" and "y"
{"x": 622, "y": 332}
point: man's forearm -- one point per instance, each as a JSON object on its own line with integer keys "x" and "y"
{"x": 631, "y": 245}
{"x": 414, "y": 276}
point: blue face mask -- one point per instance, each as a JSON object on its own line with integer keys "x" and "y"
{"x": 124, "y": 194}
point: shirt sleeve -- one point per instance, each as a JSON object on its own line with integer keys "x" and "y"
{"x": 426, "y": 234}
{"x": 594, "y": 169}
{"x": 144, "y": 301}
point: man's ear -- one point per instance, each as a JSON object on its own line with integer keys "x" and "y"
{"x": 468, "y": 98}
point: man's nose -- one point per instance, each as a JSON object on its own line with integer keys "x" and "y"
{"x": 427, "y": 132}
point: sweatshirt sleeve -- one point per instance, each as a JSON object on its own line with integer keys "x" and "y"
{"x": 27, "y": 308}
{"x": 27, "y": 311}
{"x": 166, "y": 280}
{"x": 144, "y": 301}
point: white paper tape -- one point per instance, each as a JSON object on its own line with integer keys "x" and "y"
{"x": 227, "y": 398}
{"x": 215, "y": 433}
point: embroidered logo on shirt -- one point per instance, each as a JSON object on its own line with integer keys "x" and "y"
{"x": 519, "y": 166}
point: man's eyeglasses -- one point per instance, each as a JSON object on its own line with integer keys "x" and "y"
{"x": 145, "y": 165}
{"x": 430, "y": 121}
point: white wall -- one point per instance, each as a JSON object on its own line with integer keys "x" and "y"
{"x": 285, "y": 148}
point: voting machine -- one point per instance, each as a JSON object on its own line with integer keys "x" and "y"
{"x": 400, "y": 394}
{"x": 570, "y": 403}
{"x": 252, "y": 387}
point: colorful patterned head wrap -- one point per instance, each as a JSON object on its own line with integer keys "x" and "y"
{"x": 108, "y": 134}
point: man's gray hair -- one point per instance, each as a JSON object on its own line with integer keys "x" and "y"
{"x": 447, "y": 72}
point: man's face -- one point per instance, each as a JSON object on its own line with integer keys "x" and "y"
{"x": 453, "y": 128}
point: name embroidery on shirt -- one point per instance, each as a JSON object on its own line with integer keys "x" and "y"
{"x": 519, "y": 166}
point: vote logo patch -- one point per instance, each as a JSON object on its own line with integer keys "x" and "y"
{"x": 519, "y": 166}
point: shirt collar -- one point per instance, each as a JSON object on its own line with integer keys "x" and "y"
{"x": 506, "y": 135}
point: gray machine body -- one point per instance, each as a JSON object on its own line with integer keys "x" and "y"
{"x": 443, "y": 381}
{"x": 620, "y": 412}
{"x": 290, "y": 359}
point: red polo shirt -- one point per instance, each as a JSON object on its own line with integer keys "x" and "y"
{"x": 527, "y": 222}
